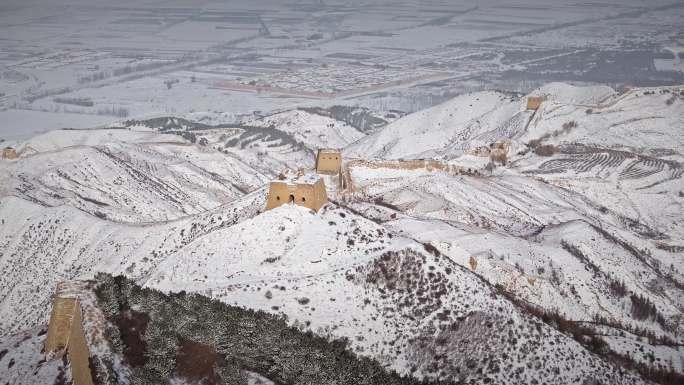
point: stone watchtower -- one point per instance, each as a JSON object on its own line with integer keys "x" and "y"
{"x": 329, "y": 161}
{"x": 9, "y": 153}
{"x": 66, "y": 336}
{"x": 306, "y": 190}
{"x": 534, "y": 102}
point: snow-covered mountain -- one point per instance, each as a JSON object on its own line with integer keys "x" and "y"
{"x": 601, "y": 116}
{"x": 559, "y": 262}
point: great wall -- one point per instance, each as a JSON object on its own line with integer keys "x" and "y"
{"x": 76, "y": 325}
{"x": 76, "y": 328}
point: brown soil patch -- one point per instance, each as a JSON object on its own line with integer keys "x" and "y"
{"x": 132, "y": 326}
{"x": 196, "y": 363}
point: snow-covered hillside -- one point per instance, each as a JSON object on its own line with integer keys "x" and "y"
{"x": 641, "y": 120}
{"x": 635, "y": 119}
{"x": 386, "y": 293}
{"x": 551, "y": 264}
{"x": 23, "y": 362}
{"x": 366, "y": 279}
{"x": 480, "y": 118}
{"x": 126, "y": 176}
{"x": 41, "y": 246}
{"x": 585, "y": 216}
{"x": 549, "y": 245}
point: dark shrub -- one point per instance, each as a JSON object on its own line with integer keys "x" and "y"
{"x": 545, "y": 150}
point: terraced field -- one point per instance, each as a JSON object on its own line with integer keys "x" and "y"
{"x": 602, "y": 162}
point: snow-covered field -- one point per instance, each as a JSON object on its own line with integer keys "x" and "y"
{"x": 86, "y": 64}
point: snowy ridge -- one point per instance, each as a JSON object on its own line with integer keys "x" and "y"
{"x": 641, "y": 119}
{"x": 269, "y": 145}
{"x": 564, "y": 93}
{"x": 428, "y": 132}
{"x": 49, "y": 245}
{"x": 289, "y": 241}
{"x": 315, "y": 131}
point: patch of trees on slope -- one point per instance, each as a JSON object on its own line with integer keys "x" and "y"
{"x": 202, "y": 340}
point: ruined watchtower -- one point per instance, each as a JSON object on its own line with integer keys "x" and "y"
{"x": 328, "y": 161}
{"x": 66, "y": 336}
{"x": 9, "y": 153}
{"x": 534, "y": 102}
{"x": 302, "y": 190}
